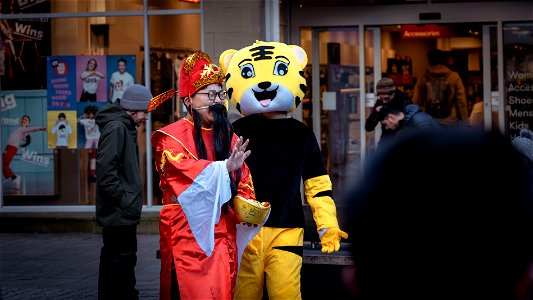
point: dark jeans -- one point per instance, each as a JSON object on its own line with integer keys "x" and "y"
{"x": 116, "y": 278}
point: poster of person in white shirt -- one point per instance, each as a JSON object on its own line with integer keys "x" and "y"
{"x": 122, "y": 77}
{"x": 89, "y": 131}
{"x": 90, "y": 84}
{"x": 61, "y": 134}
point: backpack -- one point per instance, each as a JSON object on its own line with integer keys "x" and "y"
{"x": 437, "y": 92}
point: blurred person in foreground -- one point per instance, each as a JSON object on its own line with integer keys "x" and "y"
{"x": 119, "y": 197}
{"x": 468, "y": 239}
{"x": 200, "y": 162}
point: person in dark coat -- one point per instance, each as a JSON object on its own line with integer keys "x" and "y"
{"x": 119, "y": 197}
{"x": 387, "y": 94}
{"x": 402, "y": 122}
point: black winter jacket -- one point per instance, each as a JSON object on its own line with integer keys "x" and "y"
{"x": 399, "y": 101}
{"x": 416, "y": 119}
{"x": 118, "y": 178}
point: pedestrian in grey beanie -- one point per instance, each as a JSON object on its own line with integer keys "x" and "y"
{"x": 119, "y": 196}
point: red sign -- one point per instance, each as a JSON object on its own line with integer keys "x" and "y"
{"x": 427, "y": 31}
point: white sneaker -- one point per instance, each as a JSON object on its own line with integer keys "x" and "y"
{"x": 16, "y": 183}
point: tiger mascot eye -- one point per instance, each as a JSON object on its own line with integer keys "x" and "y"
{"x": 265, "y": 81}
{"x": 265, "y": 77}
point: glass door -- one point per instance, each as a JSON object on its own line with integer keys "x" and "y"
{"x": 334, "y": 107}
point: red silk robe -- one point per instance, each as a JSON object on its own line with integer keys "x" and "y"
{"x": 205, "y": 259}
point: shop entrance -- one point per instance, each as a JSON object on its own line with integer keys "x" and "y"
{"x": 345, "y": 64}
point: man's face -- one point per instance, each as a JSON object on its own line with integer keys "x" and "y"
{"x": 391, "y": 122}
{"x": 386, "y": 97}
{"x": 121, "y": 66}
{"x": 139, "y": 117}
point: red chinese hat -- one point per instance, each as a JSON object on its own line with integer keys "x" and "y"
{"x": 196, "y": 72}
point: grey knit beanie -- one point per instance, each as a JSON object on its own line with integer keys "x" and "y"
{"x": 136, "y": 97}
{"x": 524, "y": 143}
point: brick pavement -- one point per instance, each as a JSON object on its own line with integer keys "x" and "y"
{"x": 65, "y": 266}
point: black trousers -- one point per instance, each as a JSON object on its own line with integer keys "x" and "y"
{"x": 116, "y": 277}
{"x": 87, "y": 97}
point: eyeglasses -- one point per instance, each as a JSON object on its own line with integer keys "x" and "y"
{"x": 212, "y": 95}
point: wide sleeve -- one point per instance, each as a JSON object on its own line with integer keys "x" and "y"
{"x": 200, "y": 186}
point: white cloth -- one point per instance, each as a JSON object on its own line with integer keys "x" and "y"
{"x": 202, "y": 202}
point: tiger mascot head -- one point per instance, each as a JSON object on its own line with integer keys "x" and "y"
{"x": 265, "y": 77}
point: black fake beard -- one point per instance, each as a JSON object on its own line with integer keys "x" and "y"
{"x": 222, "y": 134}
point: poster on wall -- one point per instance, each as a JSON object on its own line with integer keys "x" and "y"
{"x": 121, "y": 71}
{"x": 61, "y": 82}
{"x": 91, "y": 79}
{"x": 77, "y": 88}
{"x": 25, "y": 44}
{"x": 28, "y": 163}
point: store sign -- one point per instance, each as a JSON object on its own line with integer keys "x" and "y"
{"x": 428, "y": 31}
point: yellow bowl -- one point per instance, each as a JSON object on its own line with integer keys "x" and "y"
{"x": 250, "y": 211}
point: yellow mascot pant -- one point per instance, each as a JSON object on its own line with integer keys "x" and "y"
{"x": 274, "y": 257}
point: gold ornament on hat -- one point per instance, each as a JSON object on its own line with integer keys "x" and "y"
{"x": 190, "y": 62}
{"x": 157, "y": 100}
{"x": 210, "y": 74}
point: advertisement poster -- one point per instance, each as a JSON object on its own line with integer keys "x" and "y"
{"x": 121, "y": 71}
{"x": 62, "y": 129}
{"x": 91, "y": 79}
{"x": 77, "y": 88}
{"x": 88, "y": 131}
{"x": 28, "y": 163}
{"x": 61, "y": 86}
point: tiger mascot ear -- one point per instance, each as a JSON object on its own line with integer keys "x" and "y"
{"x": 265, "y": 77}
{"x": 300, "y": 55}
{"x": 225, "y": 58}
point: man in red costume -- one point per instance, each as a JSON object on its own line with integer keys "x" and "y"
{"x": 201, "y": 166}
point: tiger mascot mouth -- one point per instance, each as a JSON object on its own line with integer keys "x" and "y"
{"x": 280, "y": 84}
{"x": 265, "y": 97}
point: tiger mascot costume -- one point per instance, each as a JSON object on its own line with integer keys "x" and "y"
{"x": 265, "y": 82}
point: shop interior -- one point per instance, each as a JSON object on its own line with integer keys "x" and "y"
{"x": 403, "y": 59}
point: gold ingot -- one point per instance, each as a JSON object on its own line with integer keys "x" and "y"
{"x": 250, "y": 211}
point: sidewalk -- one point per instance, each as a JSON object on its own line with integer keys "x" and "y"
{"x": 65, "y": 266}
{"x": 61, "y": 266}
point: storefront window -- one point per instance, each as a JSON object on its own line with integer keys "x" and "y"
{"x": 518, "y": 76}
{"x": 43, "y": 87}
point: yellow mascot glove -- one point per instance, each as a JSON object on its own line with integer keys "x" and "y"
{"x": 331, "y": 240}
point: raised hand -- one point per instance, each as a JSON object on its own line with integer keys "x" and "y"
{"x": 238, "y": 155}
